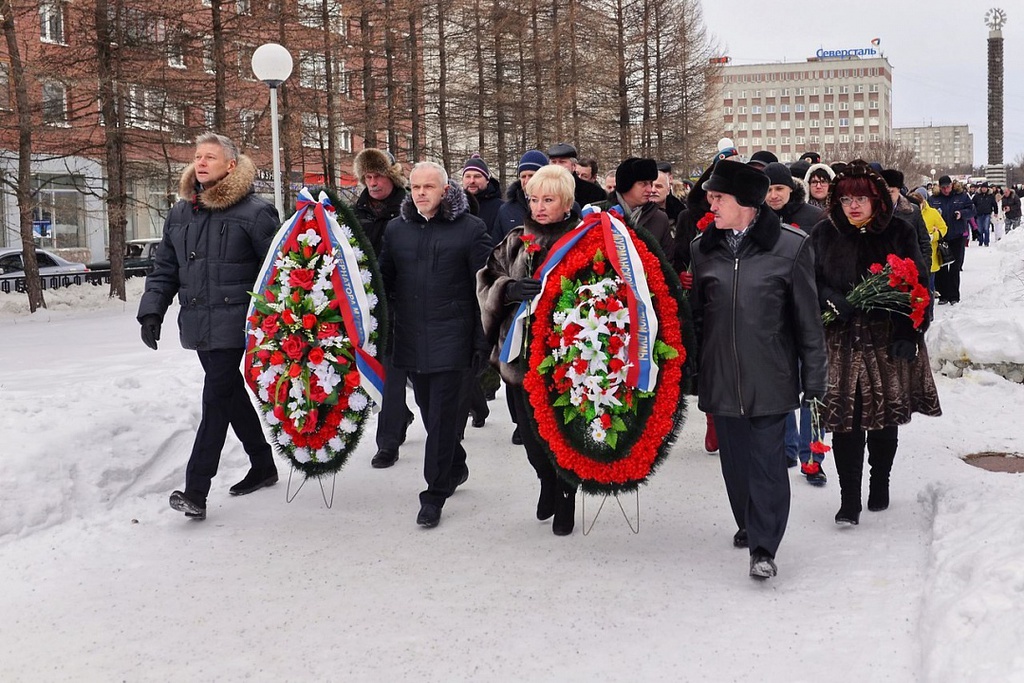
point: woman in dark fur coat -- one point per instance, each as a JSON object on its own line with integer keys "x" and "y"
{"x": 878, "y": 369}
{"x": 505, "y": 282}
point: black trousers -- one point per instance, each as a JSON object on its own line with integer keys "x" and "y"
{"x": 444, "y": 458}
{"x": 535, "y": 452}
{"x": 753, "y": 457}
{"x": 225, "y": 403}
{"x": 947, "y": 279}
{"x": 394, "y": 414}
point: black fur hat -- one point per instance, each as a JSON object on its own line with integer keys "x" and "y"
{"x": 747, "y": 184}
{"x": 634, "y": 170}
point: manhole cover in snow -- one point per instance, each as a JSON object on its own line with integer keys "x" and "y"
{"x": 994, "y": 461}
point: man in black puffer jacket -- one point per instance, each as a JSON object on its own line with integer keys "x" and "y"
{"x": 215, "y": 241}
{"x": 788, "y": 199}
{"x": 429, "y": 261}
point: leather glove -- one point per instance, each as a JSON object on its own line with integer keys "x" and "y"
{"x": 838, "y": 304}
{"x": 903, "y": 349}
{"x": 522, "y": 290}
{"x": 480, "y": 361}
{"x": 686, "y": 279}
{"x": 150, "y": 330}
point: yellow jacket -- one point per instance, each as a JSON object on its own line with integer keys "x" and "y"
{"x": 936, "y": 228}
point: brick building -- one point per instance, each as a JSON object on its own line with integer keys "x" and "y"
{"x": 167, "y": 68}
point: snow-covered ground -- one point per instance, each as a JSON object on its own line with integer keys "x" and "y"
{"x": 100, "y": 580}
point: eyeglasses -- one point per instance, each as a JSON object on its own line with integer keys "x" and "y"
{"x": 850, "y": 201}
{"x": 818, "y": 181}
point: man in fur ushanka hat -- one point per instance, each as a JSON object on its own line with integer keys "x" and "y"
{"x": 755, "y": 309}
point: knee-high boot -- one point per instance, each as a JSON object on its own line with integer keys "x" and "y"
{"x": 881, "y": 452}
{"x": 848, "y": 455}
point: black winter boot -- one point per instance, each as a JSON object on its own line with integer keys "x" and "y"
{"x": 550, "y": 493}
{"x": 848, "y": 455}
{"x": 565, "y": 511}
{"x": 881, "y": 453}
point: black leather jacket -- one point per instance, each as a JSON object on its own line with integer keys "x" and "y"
{"x": 757, "y": 318}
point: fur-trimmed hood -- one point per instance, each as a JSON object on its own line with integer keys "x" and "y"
{"x": 880, "y": 220}
{"x": 454, "y": 203}
{"x": 515, "y": 193}
{"x": 230, "y": 190}
{"x": 824, "y": 168}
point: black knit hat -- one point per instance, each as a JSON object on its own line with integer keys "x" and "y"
{"x": 747, "y": 184}
{"x": 892, "y": 177}
{"x": 475, "y": 163}
{"x": 779, "y": 174}
{"x": 634, "y": 170}
{"x": 812, "y": 157}
{"x": 945, "y": 180}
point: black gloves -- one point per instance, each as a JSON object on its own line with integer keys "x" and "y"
{"x": 837, "y": 303}
{"x": 522, "y": 290}
{"x": 481, "y": 358}
{"x": 150, "y": 330}
{"x": 902, "y": 349}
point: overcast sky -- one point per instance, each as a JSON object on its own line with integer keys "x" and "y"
{"x": 938, "y": 50}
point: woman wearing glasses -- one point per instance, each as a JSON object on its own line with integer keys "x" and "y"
{"x": 818, "y": 179}
{"x": 878, "y": 370}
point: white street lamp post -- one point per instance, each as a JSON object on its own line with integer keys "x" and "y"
{"x": 272, "y": 64}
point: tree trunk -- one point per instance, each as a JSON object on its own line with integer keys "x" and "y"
{"x": 442, "y": 85}
{"x": 478, "y": 44}
{"x": 416, "y": 87}
{"x": 389, "y": 73}
{"x": 369, "y": 97}
{"x": 620, "y": 60}
{"x": 538, "y": 101}
{"x": 220, "y": 87}
{"x": 23, "y": 186}
{"x": 107, "y": 67}
{"x": 330, "y": 162}
{"x": 498, "y": 24}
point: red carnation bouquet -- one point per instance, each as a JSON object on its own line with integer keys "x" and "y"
{"x": 893, "y": 287}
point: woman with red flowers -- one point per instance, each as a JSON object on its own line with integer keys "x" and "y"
{"x": 507, "y": 280}
{"x": 878, "y": 369}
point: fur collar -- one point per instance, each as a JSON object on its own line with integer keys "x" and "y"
{"x": 453, "y": 204}
{"x": 516, "y": 194}
{"x": 231, "y": 189}
{"x": 797, "y": 198}
{"x": 764, "y": 232}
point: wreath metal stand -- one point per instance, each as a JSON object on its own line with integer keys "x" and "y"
{"x": 289, "y": 496}
{"x": 604, "y": 499}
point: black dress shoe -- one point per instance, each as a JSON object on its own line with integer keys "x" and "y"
{"x": 192, "y": 507}
{"x": 516, "y": 439}
{"x": 739, "y": 539}
{"x": 255, "y": 479}
{"x": 479, "y": 422}
{"x": 429, "y": 516}
{"x": 762, "y": 566}
{"x": 384, "y": 459}
{"x": 565, "y": 513}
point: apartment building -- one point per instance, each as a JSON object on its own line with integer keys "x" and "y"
{"x": 790, "y": 108}
{"x": 166, "y": 70}
{"x": 941, "y": 147}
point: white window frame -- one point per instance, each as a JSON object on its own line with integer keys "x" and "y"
{"x": 53, "y": 21}
{"x": 48, "y": 108}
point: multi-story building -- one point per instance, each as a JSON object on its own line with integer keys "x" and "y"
{"x": 941, "y": 147}
{"x": 790, "y": 108}
{"x": 166, "y": 69}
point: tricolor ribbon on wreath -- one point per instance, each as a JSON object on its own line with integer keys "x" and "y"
{"x": 623, "y": 256}
{"x": 353, "y": 304}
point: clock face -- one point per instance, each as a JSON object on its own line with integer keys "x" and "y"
{"x": 995, "y": 18}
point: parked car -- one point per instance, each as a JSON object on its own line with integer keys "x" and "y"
{"x": 13, "y": 266}
{"x": 139, "y": 257}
